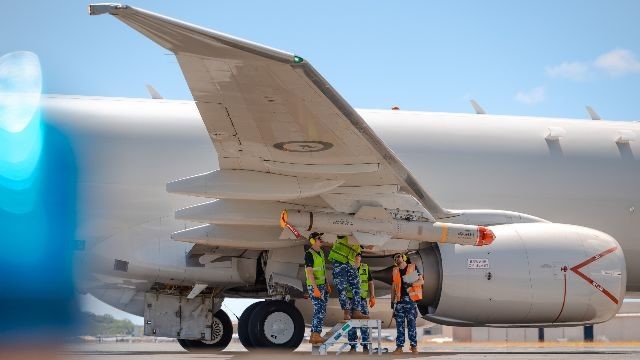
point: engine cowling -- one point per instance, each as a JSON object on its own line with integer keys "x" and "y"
{"x": 539, "y": 274}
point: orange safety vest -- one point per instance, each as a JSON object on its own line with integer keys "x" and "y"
{"x": 415, "y": 292}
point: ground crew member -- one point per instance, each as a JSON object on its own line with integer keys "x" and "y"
{"x": 366, "y": 291}
{"x": 315, "y": 270}
{"x": 406, "y": 289}
{"x": 346, "y": 276}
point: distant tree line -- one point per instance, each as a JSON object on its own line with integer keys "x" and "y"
{"x": 105, "y": 325}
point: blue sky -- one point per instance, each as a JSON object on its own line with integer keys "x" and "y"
{"x": 540, "y": 58}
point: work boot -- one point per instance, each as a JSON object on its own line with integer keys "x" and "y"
{"x": 365, "y": 349}
{"x": 359, "y": 315}
{"x": 353, "y": 349}
{"x": 398, "y": 350}
{"x": 414, "y": 349}
{"x": 347, "y": 316}
{"x": 315, "y": 338}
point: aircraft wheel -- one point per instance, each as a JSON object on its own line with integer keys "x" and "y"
{"x": 221, "y": 333}
{"x": 276, "y": 324}
{"x": 243, "y": 325}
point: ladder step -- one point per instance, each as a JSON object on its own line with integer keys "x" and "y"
{"x": 340, "y": 330}
{"x": 340, "y": 326}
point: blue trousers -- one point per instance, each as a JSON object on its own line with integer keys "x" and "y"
{"x": 406, "y": 312}
{"x": 346, "y": 276}
{"x": 319, "y": 307}
{"x": 352, "y": 335}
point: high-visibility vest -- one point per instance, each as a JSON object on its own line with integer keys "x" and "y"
{"x": 363, "y": 270}
{"x": 415, "y": 292}
{"x": 344, "y": 252}
{"x": 318, "y": 268}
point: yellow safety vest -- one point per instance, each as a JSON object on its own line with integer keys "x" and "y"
{"x": 344, "y": 252}
{"x": 363, "y": 270}
{"x": 318, "y": 268}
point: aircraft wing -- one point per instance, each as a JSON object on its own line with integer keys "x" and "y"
{"x": 281, "y": 131}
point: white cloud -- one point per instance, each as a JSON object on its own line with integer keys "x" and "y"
{"x": 533, "y": 96}
{"x": 618, "y": 62}
{"x": 570, "y": 70}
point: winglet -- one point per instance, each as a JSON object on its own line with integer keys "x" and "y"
{"x": 594, "y": 115}
{"x": 104, "y": 8}
{"x": 478, "y": 109}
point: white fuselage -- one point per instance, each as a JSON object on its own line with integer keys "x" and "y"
{"x": 126, "y": 150}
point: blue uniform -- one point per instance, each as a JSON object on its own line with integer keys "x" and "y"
{"x": 406, "y": 311}
{"x": 319, "y": 307}
{"x": 352, "y": 335}
{"x": 346, "y": 275}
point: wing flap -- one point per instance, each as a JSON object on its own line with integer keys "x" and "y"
{"x": 251, "y": 185}
{"x": 232, "y": 236}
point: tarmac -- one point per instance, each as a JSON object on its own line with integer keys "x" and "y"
{"x": 171, "y": 350}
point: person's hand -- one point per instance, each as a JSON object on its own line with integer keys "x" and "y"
{"x": 329, "y": 289}
{"x": 372, "y": 301}
{"x": 393, "y": 305}
{"x": 316, "y": 292}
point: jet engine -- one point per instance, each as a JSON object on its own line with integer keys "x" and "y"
{"x": 536, "y": 274}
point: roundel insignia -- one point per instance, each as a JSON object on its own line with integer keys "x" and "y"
{"x": 303, "y": 146}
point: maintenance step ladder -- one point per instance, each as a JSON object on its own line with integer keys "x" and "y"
{"x": 340, "y": 331}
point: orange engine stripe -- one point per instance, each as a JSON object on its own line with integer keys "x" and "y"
{"x": 444, "y": 233}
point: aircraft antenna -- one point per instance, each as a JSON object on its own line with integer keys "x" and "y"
{"x": 593, "y": 114}
{"x": 476, "y": 107}
{"x": 153, "y": 92}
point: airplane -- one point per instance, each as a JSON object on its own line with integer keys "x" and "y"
{"x": 528, "y": 222}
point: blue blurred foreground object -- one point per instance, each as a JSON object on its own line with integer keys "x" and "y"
{"x": 37, "y": 212}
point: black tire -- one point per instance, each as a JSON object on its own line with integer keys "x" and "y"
{"x": 222, "y": 334}
{"x": 243, "y": 325}
{"x": 283, "y": 315}
{"x": 189, "y": 345}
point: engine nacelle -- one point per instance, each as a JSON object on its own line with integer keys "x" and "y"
{"x": 539, "y": 274}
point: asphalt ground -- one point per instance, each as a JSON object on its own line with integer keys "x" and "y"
{"x": 171, "y": 350}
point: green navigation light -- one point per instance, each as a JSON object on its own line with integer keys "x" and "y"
{"x": 297, "y": 59}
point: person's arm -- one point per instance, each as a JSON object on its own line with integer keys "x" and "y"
{"x": 372, "y": 295}
{"x": 308, "y": 263}
{"x": 393, "y": 296}
{"x": 393, "y": 301}
{"x": 312, "y": 281}
{"x": 310, "y": 277}
{"x": 420, "y": 281}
